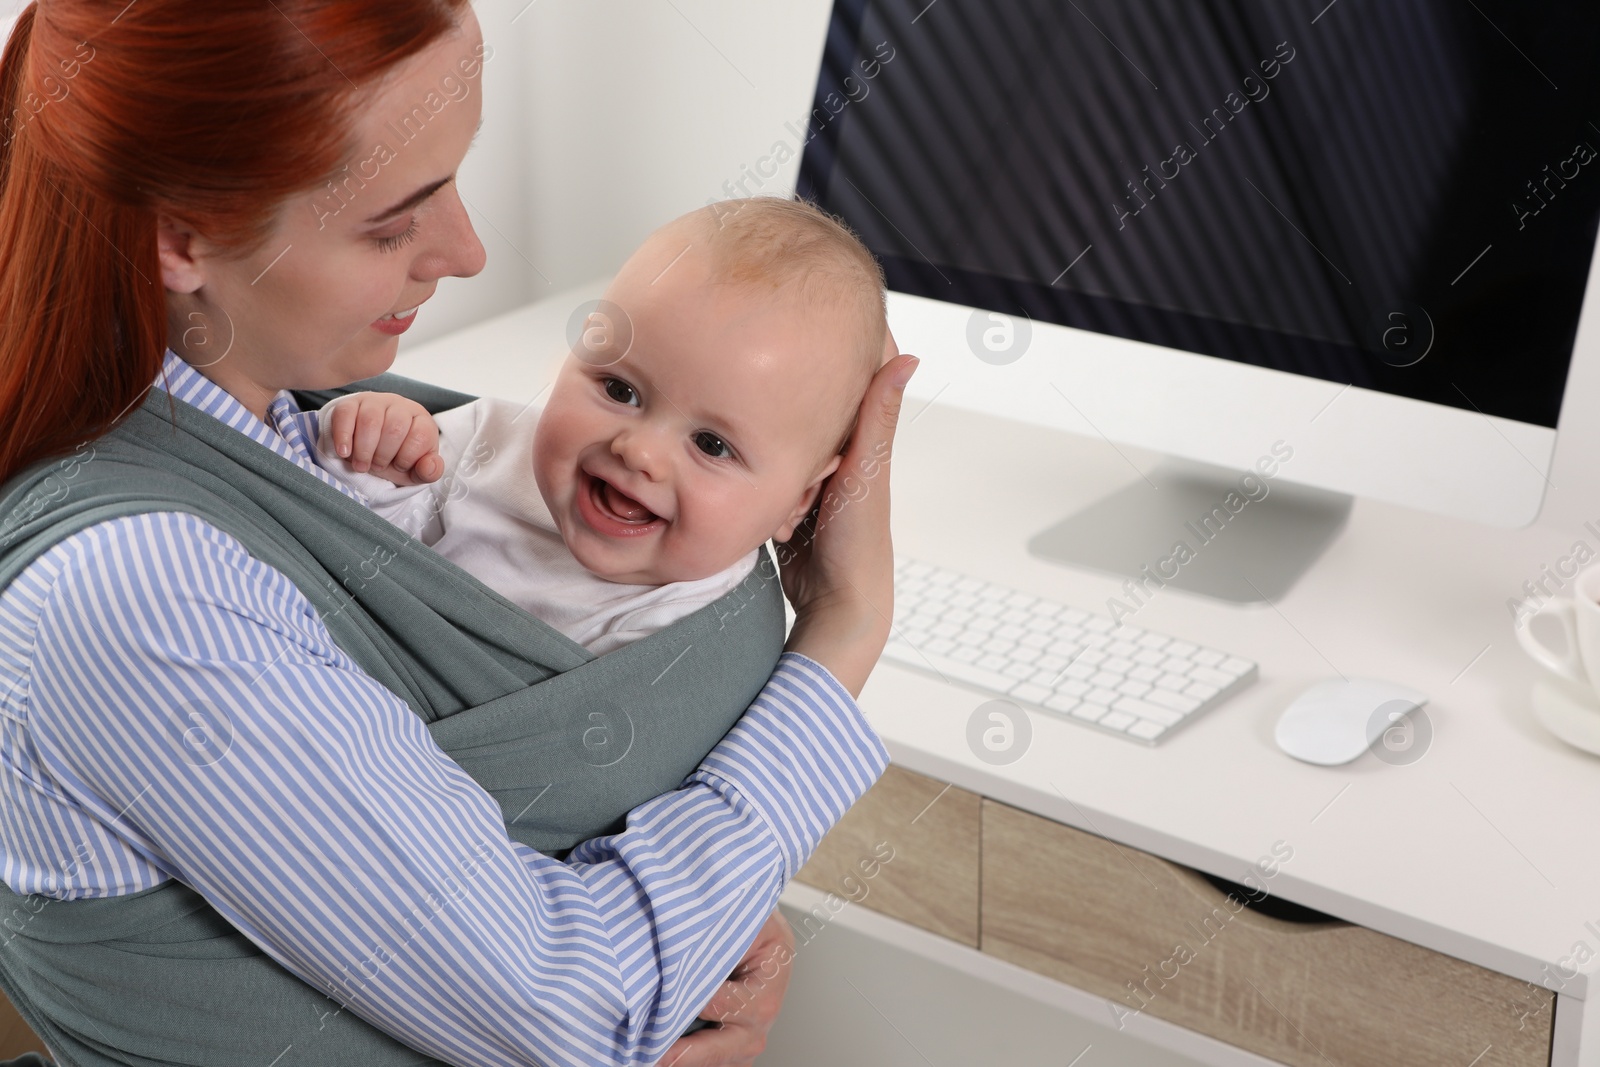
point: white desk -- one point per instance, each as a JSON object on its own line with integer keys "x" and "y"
{"x": 1483, "y": 849}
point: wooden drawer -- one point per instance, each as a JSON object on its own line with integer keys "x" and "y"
{"x": 15, "y": 1037}
{"x": 1153, "y": 936}
{"x": 909, "y": 849}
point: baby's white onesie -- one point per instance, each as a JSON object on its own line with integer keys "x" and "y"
{"x": 486, "y": 515}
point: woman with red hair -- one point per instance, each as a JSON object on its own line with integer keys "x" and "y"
{"x": 208, "y": 212}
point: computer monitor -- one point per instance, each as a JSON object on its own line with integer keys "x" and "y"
{"x": 1308, "y": 250}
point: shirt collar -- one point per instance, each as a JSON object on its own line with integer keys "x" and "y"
{"x": 288, "y": 431}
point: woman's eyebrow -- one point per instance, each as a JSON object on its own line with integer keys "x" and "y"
{"x": 410, "y": 202}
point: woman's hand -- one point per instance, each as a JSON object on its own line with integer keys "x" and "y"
{"x": 746, "y": 1005}
{"x": 838, "y": 568}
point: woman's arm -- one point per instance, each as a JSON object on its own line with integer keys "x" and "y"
{"x": 314, "y": 811}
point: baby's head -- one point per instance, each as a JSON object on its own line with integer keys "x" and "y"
{"x": 703, "y": 418}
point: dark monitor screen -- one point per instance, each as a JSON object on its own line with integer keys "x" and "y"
{"x": 1398, "y": 194}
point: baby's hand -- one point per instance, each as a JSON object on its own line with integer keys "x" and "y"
{"x": 386, "y": 435}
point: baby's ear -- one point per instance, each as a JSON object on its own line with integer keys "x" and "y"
{"x": 808, "y": 498}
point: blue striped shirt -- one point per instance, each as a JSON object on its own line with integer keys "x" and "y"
{"x": 318, "y": 816}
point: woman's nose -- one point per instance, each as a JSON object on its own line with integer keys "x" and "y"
{"x": 452, "y": 249}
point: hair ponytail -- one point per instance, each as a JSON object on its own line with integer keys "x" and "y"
{"x": 211, "y": 113}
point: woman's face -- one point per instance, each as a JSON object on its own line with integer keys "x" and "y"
{"x": 323, "y": 300}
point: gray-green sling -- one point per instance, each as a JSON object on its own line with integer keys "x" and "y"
{"x": 157, "y": 976}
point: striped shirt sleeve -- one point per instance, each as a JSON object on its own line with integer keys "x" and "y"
{"x": 189, "y": 698}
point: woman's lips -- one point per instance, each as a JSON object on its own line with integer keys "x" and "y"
{"x": 398, "y": 323}
{"x": 598, "y": 514}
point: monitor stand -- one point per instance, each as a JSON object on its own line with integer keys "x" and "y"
{"x": 1197, "y": 530}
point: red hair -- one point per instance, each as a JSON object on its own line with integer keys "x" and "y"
{"x": 211, "y": 113}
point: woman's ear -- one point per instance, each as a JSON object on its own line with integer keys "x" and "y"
{"x": 808, "y": 497}
{"x": 178, "y": 246}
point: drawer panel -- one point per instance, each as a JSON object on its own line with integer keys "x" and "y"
{"x": 1154, "y": 936}
{"x": 930, "y": 831}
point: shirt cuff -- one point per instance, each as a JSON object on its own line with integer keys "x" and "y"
{"x": 801, "y": 755}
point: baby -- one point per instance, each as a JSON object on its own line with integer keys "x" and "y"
{"x": 698, "y": 417}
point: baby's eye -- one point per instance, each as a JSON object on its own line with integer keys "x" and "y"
{"x": 712, "y": 445}
{"x": 619, "y": 390}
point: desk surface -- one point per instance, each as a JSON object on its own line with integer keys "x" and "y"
{"x": 1481, "y": 849}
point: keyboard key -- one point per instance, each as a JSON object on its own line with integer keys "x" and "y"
{"x": 1202, "y": 690}
{"x": 1175, "y": 682}
{"x": 1153, "y": 641}
{"x": 1009, "y": 631}
{"x": 940, "y": 646}
{"x": 1090, "y": 712}
{"x": 1176, "y": 701}
{"x": 1148, "y": 657}
{"x": 1134, "y": 706}
{"x": 1180, "y": 648}
{"x": 1066, "y": 704}
{"x": 1133, "y": 688}
{"x": 1235, "y": 666}
{"x": 1032, "y": 694}
{"x": 1211, "y": 676}
{"x": 972, "y": 674}
{"x": 1208, "y": 657}
{"x": 1024, "y": 654}
{"x": 1117, "y": 664}
{"x": 1102, "y": 696}
{"x": 965, "y": 654}
{"x": 1107, "y": 679}
{"x": 1117, "y": 720}
{"x": 1170, "y": 665}
{"x": 1034, "y": 639}
{"x": 1019, "y": 671}
{"x": 1146, "y": 729}
{"x": 1015, "y": 616}
{"x": 1020, "y": 600}
{"x": 1122, "y": 648}
{"x": 992, "y": 662}
{"x": 998, "y": 645}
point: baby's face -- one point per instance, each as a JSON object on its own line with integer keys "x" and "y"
{"x": 705, "y": 438}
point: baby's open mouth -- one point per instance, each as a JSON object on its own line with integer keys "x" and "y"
{"x": 617, "y": 504}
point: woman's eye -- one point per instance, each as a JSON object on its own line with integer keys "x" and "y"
{"x": 712, "y": 445}
{"x": 389, "y": 244}
{"x": 620, "y": 391}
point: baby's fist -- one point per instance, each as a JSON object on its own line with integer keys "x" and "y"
{"x": 386, "y": 435}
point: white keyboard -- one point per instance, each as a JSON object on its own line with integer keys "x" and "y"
{"x": 1054, "y": 658}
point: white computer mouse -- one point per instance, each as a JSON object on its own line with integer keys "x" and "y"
{"x": 1335, "y": 721}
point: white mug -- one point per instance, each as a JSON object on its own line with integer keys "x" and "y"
{"x": 1579, "y": 616}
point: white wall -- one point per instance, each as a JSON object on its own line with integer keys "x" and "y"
{"x": 639, "y": 111}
